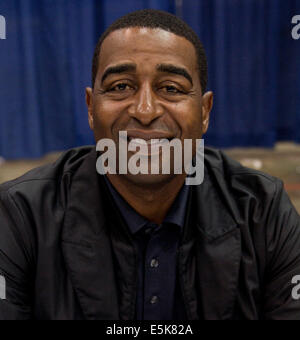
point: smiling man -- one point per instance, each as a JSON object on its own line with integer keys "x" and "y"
{"x": 79, "y": 245}
{"x": 147, "y": 83}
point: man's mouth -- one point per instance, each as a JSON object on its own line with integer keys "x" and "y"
{"x": 150, "y": 137}
{"x": 154, "y": 141}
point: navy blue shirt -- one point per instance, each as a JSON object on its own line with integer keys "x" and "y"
{"x": 157, "y": 294}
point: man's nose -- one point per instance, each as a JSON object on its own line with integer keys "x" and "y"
{"x": 145, "y": 107}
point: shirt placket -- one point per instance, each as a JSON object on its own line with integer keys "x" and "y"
{"x": 159, "y": 280}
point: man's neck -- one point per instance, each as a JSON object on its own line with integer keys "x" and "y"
{"x": 151, "y": 201}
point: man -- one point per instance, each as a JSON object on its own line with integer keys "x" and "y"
{"x": 79, "y": 245}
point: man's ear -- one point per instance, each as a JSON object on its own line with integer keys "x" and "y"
{"x": 89, "y": 104}
{"x": 207, "y": 104}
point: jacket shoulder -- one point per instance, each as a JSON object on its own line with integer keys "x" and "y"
{"x": 67, "y": 163}
{"x": 234, "y": 174}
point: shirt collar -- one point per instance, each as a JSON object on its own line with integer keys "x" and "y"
{"x": 136, "y": 222}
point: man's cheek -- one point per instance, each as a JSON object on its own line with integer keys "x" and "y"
{"x": 102, "y": 127}
{"x": 103, "y": 115}
{"x": 194, "y": 129}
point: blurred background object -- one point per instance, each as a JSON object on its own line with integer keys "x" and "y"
{"x": 254, "y": 72}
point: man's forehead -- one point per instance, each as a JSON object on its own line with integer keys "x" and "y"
{"x": 155, "y": 43}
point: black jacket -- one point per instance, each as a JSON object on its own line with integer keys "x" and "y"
{"x": 66, "y": 253}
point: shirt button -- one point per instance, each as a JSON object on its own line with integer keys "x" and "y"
{"x": 154, "y": 299}
{"x": 154, "y": 263}
{"x": 148, "y": 231}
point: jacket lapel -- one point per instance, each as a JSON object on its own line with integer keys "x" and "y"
{"x": 218, "y": 252}
{"x": 86, "y": 245}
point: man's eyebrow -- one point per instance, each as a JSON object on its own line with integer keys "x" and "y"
{"x": 169, "y": 68}
{"x": 118, "y": 69}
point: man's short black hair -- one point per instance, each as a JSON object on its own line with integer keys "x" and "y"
{"x": 152, "y": 18}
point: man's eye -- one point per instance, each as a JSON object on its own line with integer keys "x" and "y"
{"x": 171, "y": 89}
{"x": 120, "y": 87}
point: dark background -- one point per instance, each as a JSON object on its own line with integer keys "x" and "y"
{"x": 45, "y": 65}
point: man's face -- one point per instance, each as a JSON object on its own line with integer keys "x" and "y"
{"x": 148, "y": 85}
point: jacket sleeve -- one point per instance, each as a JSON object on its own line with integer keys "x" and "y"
{"x": 281, "y": 298}
{"x": 15, "y": 262}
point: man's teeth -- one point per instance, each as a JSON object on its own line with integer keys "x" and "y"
{"x": 149, "y": 141}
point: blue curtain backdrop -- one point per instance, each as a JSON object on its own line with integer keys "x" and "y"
{"x": 45, "y": 62}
